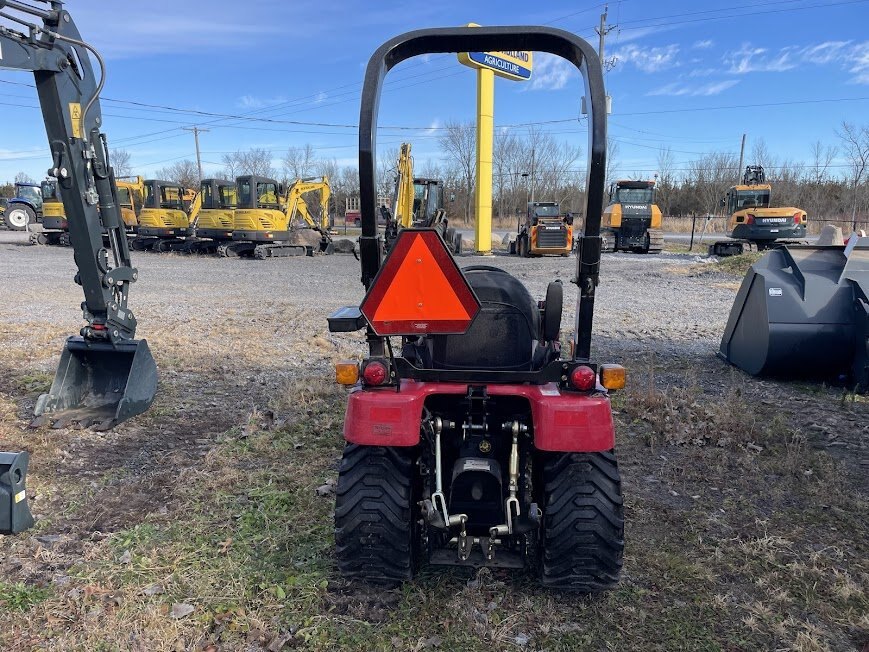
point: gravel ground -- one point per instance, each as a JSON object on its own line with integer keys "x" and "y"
{"x": 641, "y": 303}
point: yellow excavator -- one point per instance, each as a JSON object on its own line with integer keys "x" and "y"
{"x": 418, "y": 202}
{"x": 264, "y": 223}
{"x": 131, "y": 192}
{"x": 55, "y": 228}
{"x": 219, "y": 199}
{"x": 165, "y": 221}
{"x": 753, "y": 222}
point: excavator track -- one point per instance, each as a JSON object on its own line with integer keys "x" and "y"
{"x": 656, "y": 241}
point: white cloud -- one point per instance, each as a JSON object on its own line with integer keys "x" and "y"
{"x": 322, "y": 96}
{"x": 703, "y": 45}
{"x": 703, "y": 90}
{"x": 254, "y": 102}
{"x": 850, "y": 56}
{"x": 649, "y": 59}
{"x": 751, "y": 59}
{"x": 432, "y": 128}
{"x": 551, "y": 72}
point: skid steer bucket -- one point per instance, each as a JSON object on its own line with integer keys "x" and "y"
{"x": 99, "y": 384}
{"x": 803, "y": 312}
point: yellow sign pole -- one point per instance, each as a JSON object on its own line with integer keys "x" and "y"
{"x": 485, "y": 139}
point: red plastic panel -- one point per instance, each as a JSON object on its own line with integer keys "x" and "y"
{"x": 564, "y": 422}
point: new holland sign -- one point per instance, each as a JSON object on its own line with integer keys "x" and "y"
{"x": 512, "y": 65}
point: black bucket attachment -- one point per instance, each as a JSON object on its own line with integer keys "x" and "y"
{"x": 99, "y": 384}
{"x": 803, "y": 312}
{"x": 14, "y": 513}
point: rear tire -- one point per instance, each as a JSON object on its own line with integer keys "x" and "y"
{"x": 376, "y": 535}
{"x": 583, "y": 528}
{"x": 18, "y": 217}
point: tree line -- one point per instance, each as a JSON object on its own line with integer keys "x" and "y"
{"x": 832, "y": 185}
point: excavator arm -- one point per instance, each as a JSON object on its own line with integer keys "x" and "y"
{"x": 105, "y": 376}
{"x": 404, "y": 188}
{"x": 296, "y": 205}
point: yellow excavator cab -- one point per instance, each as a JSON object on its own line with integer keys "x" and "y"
{"x": 219, "y": 198}
{"x": 163, "y": 212}
{"x": 130, "y": 198}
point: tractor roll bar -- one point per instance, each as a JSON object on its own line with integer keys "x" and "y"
{"x": 476, "y": 39}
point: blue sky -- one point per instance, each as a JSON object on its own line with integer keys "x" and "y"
{"x": 786, "y": 71}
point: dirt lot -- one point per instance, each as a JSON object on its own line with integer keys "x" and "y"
{"x": 206, "y": 523}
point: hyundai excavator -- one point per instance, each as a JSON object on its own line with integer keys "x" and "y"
{"x": 265, "y": 218}
{"x": 418, "y": 202}
{"x": 105, "y": 375}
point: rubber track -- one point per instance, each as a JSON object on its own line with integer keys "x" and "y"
{"x": 373, "y": 514}
{"x": 656, "y": 241}
{"x": 583, "y": 522}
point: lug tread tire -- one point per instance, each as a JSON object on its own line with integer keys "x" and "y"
{"x": 583, "y": 531}
{"x": 374, "y": 528}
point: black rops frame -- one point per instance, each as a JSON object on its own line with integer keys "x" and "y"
{"x": 486, "y": 39}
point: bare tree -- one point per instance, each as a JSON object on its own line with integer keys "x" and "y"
{"x": 666, "y": 184}
{"x": 855, "y": 146}
{"x": 711, "y": 175}
{"x": 183, "y": 172}
{"x": 299, "y": 162}
{"x": 120, "y": 161}
{"x": 23, "y": 177}
{"x": 256, "y": 161}
{"x": 817, "y": 176}
{"x": 459, "y": 140}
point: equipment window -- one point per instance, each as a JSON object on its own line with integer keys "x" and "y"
{"x": 752, "y": 199}
{"x": 228, "y": 196}
{"x": 171, "y": 197}
{"x": 207, "y": 195}
{"x": 267, "y": 195}
{"x": 635, "y": 195}
{"x": 546, "y": 211}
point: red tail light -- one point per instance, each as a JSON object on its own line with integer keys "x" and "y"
{"x": 582, "y": 378}
{"x": 375, "y": 373}
{"x": 749, "y": 219}
{"x": 797, "y": 218}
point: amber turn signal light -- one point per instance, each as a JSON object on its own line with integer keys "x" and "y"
{"x": 346, "y": 372}
{"x": 612, "y": 376}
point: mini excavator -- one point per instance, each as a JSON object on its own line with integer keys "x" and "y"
{"x": 105, "y": 375}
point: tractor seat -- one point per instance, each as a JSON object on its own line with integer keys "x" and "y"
{"x": 503, "y": 336}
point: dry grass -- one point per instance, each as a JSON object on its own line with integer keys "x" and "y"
{"x": 742, "y": 534}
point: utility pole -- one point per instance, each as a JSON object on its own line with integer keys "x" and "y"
{"x": 741, "y": 158}
{"x": 602, "y": 31}
{"x": 196, "y": 131}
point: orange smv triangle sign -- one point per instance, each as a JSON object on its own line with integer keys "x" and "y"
{"x": 420, "y": 290}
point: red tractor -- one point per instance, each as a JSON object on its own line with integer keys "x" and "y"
{"x": 476, "y": 440}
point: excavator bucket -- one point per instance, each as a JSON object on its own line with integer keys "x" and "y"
{"x": 99, "y": 384}
{"x": 803, "y": 312}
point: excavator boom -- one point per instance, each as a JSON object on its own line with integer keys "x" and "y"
{"x": 105, "y": 375}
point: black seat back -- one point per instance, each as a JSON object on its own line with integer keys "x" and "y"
{"x": 504, "y": 334}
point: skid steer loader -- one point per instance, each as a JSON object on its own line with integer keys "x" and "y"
{"x": 803, "y": 312}
{"x": 105, "y": 376}
{"x": 478, "y": 441}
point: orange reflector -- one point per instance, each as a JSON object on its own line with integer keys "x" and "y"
{"x": 612, "y": 376}
{"x": 419, "y": 290}
{"x": 346, "y": 372}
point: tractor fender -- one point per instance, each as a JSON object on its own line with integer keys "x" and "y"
{"x": 562, "y": 421}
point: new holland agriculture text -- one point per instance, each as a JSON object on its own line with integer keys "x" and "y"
{"x": 513, "y": 65}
